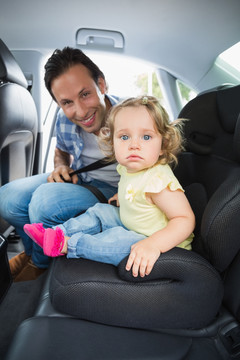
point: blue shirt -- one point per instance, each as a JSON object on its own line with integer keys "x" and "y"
{"x": 69, "y": 137}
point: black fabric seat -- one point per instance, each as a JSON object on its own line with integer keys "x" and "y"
{"x": 105, "y": 294}
{"x": 5, "y": 275}
{"x": 54, "y": 338}
{"x": 182, "y": 282}
{"x": 18, "y": 122}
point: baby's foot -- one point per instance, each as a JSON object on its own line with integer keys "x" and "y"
{"x": 35, "y": 232}
{"x": 53, "y": 242}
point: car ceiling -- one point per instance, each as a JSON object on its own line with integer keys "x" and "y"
{"x": 181, "y": 36}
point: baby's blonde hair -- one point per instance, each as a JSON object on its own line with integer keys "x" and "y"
{"x": 171, "y": 132}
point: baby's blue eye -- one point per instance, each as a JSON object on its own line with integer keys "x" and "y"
{"x": 124, "y": 137}
{"x": 146, "y": 137}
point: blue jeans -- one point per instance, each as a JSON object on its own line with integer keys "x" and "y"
{"x": 33, "y": 200}
{"x": 99, "y": 235}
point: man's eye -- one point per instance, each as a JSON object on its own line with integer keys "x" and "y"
{"x": 146, "y": 137}
{"x": 85, "y": 94}
{"x": 124, "y": 137}
{"x": 66, "y": 102}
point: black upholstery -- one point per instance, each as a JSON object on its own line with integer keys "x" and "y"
{"x": 213, "y": 117}
{"x": 5, "y": 275}
{"x": 54, "y": 338}
{"x": 18, "y": 120}
{"x": 97, "y": 292}
{"x": 186, "y": 291}
{"x": 218, "y": 223}
{"x": 212, "y": 164}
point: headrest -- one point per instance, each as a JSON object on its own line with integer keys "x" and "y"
{"x": 9, "y": 68}
{"x": 236, "y": 140}
{"x": 212, "y": 123}
{"x": 228, "y": 103}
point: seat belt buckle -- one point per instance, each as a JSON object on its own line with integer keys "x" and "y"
{"x": 231, "y": 341}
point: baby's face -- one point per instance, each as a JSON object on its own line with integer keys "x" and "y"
{"x": 137, "y": 143}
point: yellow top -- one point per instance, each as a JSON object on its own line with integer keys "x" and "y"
{"x": 136, "y": 212}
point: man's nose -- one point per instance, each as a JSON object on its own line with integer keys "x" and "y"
{"x": 80, "y": 109}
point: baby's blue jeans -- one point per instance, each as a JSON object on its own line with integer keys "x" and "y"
{"x": 99, "y": 235}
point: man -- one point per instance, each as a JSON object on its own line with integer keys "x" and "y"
{"x": 79, "y": 88}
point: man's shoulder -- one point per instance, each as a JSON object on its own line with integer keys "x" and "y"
{"x": 63, "y": 124}
{"x": 65, "y": 128}
{"x": 114, "y": 100}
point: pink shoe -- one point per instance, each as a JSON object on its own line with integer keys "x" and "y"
{"x": 35, "y": 232}
{"x": 53, "y": 242}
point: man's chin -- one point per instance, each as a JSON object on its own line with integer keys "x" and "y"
{"x": 91, "y": 129}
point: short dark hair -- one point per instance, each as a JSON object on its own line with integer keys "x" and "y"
{"x": 61, "y": 60}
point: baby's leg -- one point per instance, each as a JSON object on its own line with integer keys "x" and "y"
{"x": 96, "y": 219}
{"x": 109, "y": 246}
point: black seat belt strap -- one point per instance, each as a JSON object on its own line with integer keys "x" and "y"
{"x": 94, "y": 166}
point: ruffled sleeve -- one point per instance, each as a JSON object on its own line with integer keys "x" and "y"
{"x": 160, "y": 178}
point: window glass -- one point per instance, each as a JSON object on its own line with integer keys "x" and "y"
{"x": 186, "y": 92}
{"x": 229, "y": 61}
{"x": 127, "y": 77}
{"x": 232, "y": 56}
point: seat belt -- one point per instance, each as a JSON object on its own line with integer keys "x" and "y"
{"x": 94, "y": 166}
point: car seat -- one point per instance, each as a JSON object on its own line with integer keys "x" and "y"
{"x": 18, "y": 122}
{"x": 5, "y": 275}
{"x": 189, "y": 306}
{"x": 18, "y": 133}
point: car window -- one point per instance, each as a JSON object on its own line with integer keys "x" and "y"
{"x": 126, "y": 76}
{"x": 229, "y": 60}
{"x": 186, "y": 92}
{"x": 231, "y": 56}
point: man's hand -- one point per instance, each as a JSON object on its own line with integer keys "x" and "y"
{"x": 62, "y": 169}
{"x": 61, "y": 174}
{"x": 142, "y": 258}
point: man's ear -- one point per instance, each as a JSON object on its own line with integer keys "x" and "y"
{"x": 102, "y": 85}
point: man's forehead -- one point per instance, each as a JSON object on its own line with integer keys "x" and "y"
{"x": 75, "y": 79}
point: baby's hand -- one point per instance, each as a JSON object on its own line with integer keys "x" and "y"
{"x": 114, "y": 200}
{"x": 142, "y": 258}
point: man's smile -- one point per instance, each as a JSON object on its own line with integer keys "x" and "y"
{"x": 89, "y": 121}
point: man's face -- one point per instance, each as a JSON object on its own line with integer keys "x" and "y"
{"x": 82, "y": 100}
